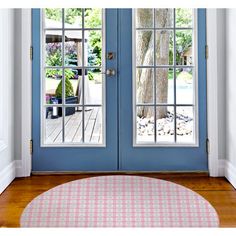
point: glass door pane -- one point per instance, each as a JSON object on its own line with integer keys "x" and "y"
{"x": 73, "y": 87}
{"x": 164, "y": 77}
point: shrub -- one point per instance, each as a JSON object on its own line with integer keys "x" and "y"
{"x": 54, "y": 59}
{"x": 53, "y": 73}
{"x": 68, "y": 89}
{"x": 90, "y": 75}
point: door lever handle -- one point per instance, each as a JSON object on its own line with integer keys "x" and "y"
{"x": 110, "y": 72}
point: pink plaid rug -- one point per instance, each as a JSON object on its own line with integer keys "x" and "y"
{"x": 119, "y": 201}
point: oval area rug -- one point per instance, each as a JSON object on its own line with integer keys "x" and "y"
{"x": 119, "y": 201}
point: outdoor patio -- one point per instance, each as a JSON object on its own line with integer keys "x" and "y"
{"x": 73, "y": 127}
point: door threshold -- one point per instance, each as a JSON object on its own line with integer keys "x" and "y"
{"x": 202, "y": 173}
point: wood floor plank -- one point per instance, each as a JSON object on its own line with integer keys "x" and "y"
{"x": 217, "y": 191}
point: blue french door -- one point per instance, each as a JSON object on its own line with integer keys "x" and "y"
{"x": 145, "y": 145}
{"x": 69, "y": 137}
{"x": 152, "y": 111}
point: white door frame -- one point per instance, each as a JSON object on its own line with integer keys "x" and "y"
{"x": 216, "y": 90}
{"x": 215, "y": 73}
{"x": 23, "y": 165}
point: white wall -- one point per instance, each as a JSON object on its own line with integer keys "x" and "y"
{"x": 23, "y": 98}
{"x": 18, "y": 85}
{"x": 216, "y": 89}
{"x": 221, "y": 13}
{"x": 231, "y": 86}
{"x": 6, "y": 95}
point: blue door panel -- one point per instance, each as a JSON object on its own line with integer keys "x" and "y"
{"x": 157, "y": 158}
{"x": 119, "y": 153}
{"x": 77, "y": 158}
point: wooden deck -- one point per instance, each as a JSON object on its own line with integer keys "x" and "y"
{"x": 73, "y": 127}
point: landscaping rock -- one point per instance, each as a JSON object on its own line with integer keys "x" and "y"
{"x": 165, "y": 126}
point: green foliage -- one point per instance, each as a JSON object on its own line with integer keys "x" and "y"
{"x": 56, "y": 73}
{"x": 183, "y": 17}
{"x": 183, "y": 42}
{"x": 69, "y": 74}
{"x": 68, "y": 89}
{"x": 71, "y": 14}
{"x": 183, "y": 37}
{"x": 52, "y": 73}
{"x": 90, "y": 75}
{"x": 93, "y": 18}
{"x": 171, "y": 56}
{"x": 54, "y": 59}
{"x": 96, "y": 45}
{"x": 53, "y": 13}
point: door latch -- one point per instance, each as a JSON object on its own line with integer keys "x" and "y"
{"x": 110, "y": 72}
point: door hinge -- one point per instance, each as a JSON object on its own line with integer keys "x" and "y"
{"x": 206, "y": 51}
{"x": 31, "y": 147}
{"x": 31, "y": 53}
{"x": 207, "y": 146}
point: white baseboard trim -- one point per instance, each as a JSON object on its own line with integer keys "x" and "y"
{"x": 7, "y": 175}
{"x": 19, "y": 168}
{"x": 226, "y": 169}
{"x": 221, "y": 168}
{"x": 230, "y": 173}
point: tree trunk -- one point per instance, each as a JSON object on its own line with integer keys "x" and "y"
{"x": 145, "y": 51}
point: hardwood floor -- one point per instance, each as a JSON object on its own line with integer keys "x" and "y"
{"x": 217, "y": 191}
